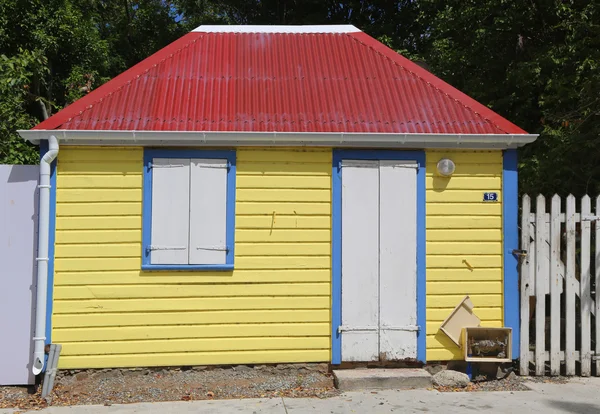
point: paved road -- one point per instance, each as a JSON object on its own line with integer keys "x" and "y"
{"x": 581, "y": 396}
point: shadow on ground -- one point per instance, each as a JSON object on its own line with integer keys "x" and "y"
{"x": 575, "y": 407}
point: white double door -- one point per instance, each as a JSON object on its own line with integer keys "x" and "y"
{"x": 379, "y": 260}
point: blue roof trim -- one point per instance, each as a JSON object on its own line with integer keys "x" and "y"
{"x": 510, "y": 217}
{"x": 336, "y": 252}
{"x": 149, "y": 155}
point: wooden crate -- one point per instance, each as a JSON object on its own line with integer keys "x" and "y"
{"x": 473, "y": 334}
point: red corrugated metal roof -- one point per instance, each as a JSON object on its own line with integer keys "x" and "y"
{"x": 284, "y": 82}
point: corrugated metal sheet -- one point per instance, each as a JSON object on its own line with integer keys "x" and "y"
{"x": 299, "y": 82}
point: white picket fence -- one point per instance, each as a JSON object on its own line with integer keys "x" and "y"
{"x": 556, "y": 260}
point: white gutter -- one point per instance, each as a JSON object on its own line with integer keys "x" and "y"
{"x": 243, "y": 138}
{"x": 39, "y": 337}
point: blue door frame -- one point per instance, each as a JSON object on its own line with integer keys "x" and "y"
{"x": 336, "y": 286}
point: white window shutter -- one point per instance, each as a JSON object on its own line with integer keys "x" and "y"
{"x": 208, "y": 211}
{"x": 170, "y": 211}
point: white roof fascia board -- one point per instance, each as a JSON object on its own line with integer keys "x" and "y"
{"x": 332, "y": 139}
{"x": 341, "y": 28}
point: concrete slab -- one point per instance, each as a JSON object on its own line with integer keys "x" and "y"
{"x": 381, "y": 379}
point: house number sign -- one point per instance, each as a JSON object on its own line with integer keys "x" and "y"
{"x": 490, "y": 197}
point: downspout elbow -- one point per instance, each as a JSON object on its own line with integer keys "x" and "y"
{"x": 39, "y": 337}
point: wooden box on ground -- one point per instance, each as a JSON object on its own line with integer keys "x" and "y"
{"x": 487, "y": 344}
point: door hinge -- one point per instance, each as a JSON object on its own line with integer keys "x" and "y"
{"x": 152, "y": 248}
{"x": 408, "y": 328}
{"x": 214, "y": 248}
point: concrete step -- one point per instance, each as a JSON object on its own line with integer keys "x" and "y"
{"x": 381, "y": 379}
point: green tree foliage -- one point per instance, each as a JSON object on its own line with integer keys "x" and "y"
{"x": 536, "y": 62}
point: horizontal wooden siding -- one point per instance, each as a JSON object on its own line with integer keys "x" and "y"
{"x": 464, "y": 243}
{"x": 274, "y": 307}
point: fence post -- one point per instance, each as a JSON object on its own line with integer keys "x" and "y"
{"x": 541, "y": 268}
{"x": 585, "y": 288}
{"x": 555, "y": 285}
{"x": 524, "y": 275}
{"x": 597, "y": 264}
{"x": 570, "y": 321}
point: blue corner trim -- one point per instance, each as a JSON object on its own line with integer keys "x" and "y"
{"x": 51, "y": 244}
{"x": 336, "y": 252}
{"x": 149, "y": 155}
{"x": 510, "y": 213}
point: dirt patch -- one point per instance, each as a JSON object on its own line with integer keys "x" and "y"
{"x": 118, "y": 386}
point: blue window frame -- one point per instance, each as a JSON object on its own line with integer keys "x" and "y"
{"x": 151, "y": 154}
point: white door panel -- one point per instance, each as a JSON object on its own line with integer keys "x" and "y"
{"x": 360, "y": 260}
{"x": 379, "y": 260}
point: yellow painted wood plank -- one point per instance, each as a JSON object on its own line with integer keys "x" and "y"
{"x": 464, "y": 222}
{"x": 464, "y": 288}
{"x": 231, "y": 332}
{"x": 463, "y": 183}
{"x": 241, "y": 249}
{"x": 464, "y": 248}
{"x": 282, "y": 222}
{"x": 468, "y": 170}
{"x": 87, "y": 320}
{"x": 463, "y": 235}
{"x": 283, "y": 249}
{"x": 189, "y": 291}
{"x": 100, "y": 168}
{"x": 450, "y": 301}
{"x": 457, "y": 196}
{"x": 237, "y": 276}
{"x": 283, "y": 181}
{"x": 241, "y": 235}
{"x": 464, "y": 261}
{"x": 191, "y": 304}
{"x": 192, "y": 345}
{"x": 99, "y": 223}
{"x": 465, "y": 209}
{"x": 244, "y": 262}
{"x": 288, "y": 155}
{"x": 302, "y": 209}
{"x": 98, "y": 250}
{"x": 282, "y": 235}
{"x": 99, "y": 181}
{"x": 194, "y": 358}
{"x": 465, "y": 157}
{"x": 440, "y": 340}
{"x": 291, "y": 262}
{"x": 283, "y": 168}
{"x": 98, "y": 209}
{"x": 439, "y": 315}
{"x": 105, "y": 154}
{"x": 102, "y": 195}
{"x": 433, "y": 328}
{"x": 245, "y": 194}
{"x": 443, "y": 354}
{"x": 98, "y": 236}
{"x": 448, "y": 275}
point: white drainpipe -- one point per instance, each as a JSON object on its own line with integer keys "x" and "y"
{"x": 39, "y": 336}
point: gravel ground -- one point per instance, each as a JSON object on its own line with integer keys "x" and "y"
{"x": 199, "y": 383}
{"x": 511, "y": 382}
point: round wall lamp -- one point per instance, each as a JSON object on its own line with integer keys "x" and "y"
{"x": 446, "y": 167}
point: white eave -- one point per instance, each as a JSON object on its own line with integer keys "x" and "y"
{"x": 321, "y": 139}
{"x": 336, "y": 28}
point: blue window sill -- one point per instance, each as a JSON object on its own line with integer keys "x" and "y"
{"x": 189, "y": 268}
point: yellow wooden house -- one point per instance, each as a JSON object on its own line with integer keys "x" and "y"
{"x": 273, "y": 194}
